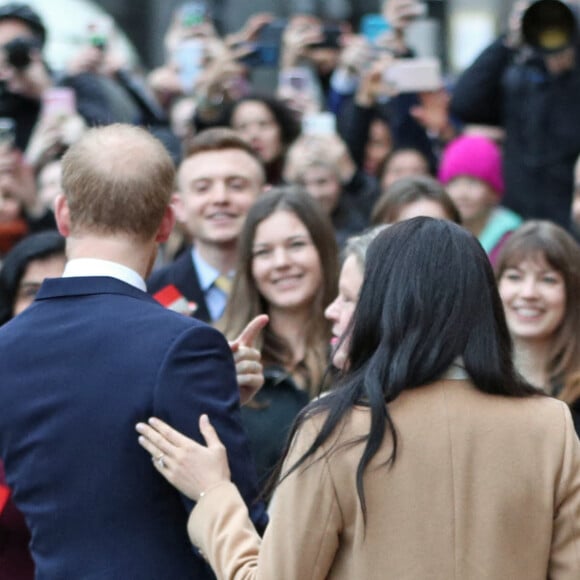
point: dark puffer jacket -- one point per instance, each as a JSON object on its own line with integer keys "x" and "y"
{"x": 539, "y": 113}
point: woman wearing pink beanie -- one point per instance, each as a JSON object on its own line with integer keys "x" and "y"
{"x": 471, "y": 171}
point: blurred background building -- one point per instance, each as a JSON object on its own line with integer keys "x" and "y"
{"x": 455, "y": 30}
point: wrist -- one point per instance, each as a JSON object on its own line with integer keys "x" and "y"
{"x": 211, "y": 487}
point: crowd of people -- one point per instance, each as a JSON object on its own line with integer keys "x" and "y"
{"x": 345, "y": 320}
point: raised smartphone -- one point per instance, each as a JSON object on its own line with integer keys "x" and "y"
{"x": 414, "y": 75}
{"x": 59, "y": 101}
{"x": 189, "y": 60}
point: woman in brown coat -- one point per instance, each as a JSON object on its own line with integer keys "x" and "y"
{"x": 431, "y": 459}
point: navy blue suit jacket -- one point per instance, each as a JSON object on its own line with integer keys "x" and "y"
{"x": 89, "y": 359}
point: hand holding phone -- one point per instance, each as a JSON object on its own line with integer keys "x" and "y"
{"x": 265, "y": 50}
{"x": 189, "y": 57}
{"x": 400, "y": 13}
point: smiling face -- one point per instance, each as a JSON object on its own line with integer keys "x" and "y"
{"x": 534, "y": 299}
{"x": 285, "y": 263}
{"x": 216, "y": 190}
{"x": 256, "y": 124}
{"x": 340, "y": 311}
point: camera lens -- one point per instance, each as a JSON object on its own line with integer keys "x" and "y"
{"x": 549, "y": 26}
{"x": 18, "y": 52}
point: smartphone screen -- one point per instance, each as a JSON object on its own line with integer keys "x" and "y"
{"x": 414, "y": 75}
{"x": 372, "y": 26}
{"x": 59, "y": 101}
{"x": 193, "y": 13}
{"x": 189, "y": 60}
{"x": 296, "y": 79}
{"x": 266, "y": 50}
{"x": 7, "y": 132}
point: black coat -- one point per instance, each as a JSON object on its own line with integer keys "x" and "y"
{"x": 183, "y": 276}
{"x": 539, "y": 113}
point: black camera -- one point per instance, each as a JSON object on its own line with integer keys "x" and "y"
{"x": 549, "y": 26}
{"x": 18, "y": 52}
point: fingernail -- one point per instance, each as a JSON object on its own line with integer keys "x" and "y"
{"x": 153, "y": 421}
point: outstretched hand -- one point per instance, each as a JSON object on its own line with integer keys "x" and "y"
{"x": 249, "y": 370}
{"x": 190, "y": 467}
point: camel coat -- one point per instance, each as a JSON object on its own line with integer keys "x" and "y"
{"x": 484, "y": 488}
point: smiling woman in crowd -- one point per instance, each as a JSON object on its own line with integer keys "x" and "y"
{"x": 538, "y": 274}
{"x": 287, "y": 269}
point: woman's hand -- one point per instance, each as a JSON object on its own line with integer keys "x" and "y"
{"x": 249, "y": 370}
{"x": 190, "y": 467}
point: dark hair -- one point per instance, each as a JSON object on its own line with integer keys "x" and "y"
{"x": 33, "y": 247}
{"x": 428, "y": 297}
{"x": 386, "y": 164}
{"x": 285, "y": 119}
{"x": 24, "y": 13}
{"x": 539, "y": 238}
{"x": 409, "y": 190}
{"x": 245, "y": 301}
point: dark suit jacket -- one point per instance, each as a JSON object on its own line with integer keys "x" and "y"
{"x": 183, "y": 276}
{"x": 89, "y": 359}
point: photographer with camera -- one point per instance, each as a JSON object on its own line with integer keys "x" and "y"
{"x": 104, "y": 90}
{"x": 528, "y": 82}
{"x": 23, "y": 74}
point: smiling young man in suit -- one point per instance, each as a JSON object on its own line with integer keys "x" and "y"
{"x": 95, "y": 354}
{"x": 218, "y": 181}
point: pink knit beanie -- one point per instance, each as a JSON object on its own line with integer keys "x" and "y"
{"x": 472, "y": 156}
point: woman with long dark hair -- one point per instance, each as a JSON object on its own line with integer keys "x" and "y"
{"x": 269, "y": 127}
{"x": 432, "y": 457}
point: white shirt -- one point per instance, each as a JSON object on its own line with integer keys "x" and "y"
{"x": 83, "y": 267}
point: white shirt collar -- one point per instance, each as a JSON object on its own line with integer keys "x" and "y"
{"x": 206, "y": 273}
{"x": 82, "y": 267}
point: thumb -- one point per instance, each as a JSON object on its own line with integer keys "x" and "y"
{"x": 208, "y": 432}
{"x": 250, "y": 334}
